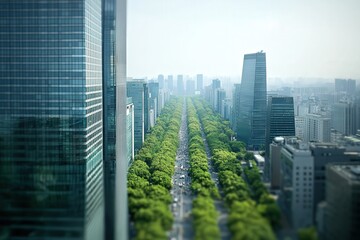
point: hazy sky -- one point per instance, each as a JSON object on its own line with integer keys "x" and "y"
{"x": 302, "y": 38}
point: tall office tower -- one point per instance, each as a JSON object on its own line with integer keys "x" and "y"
{"x": 51, "y": 129}
{"x": 190, "y": 87}
{"x": 154, "y": 98}
{"x": 342, "y": 201}
{"x": 180, "y": 85}
{"x": 136, "y": 90}
{"x": 280, "y": 122}
{"x": 129, "y": 131}
{"x": 347, "y": 86}
{"x": 161, "y": 81}
{"x": 220, "y": 97}
{"x": 252, "y": 112}
{"x": 235, "y": 107}
{"x": 300, "y": 127}
{"x": 114, "y": 117}
{"x": 226, "y": 109}
{"x": 146, "y": 108}
{"x": 215, "y": 85}
{"x": 344, "y": 118}
{"x": 317, "y": 128}
{"x": 170, "y": 83}
{"x": 199, "y": 82}
{"x": 296, "y": 185}
{"x": 208, "y": 94}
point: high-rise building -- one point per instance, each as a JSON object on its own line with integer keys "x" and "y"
{"x": 199, "y": 82}
{"x": 190, "y": 87}
{"x": 347, "y": 86}
{"x": 344, "y": 119}
{"x": 235, "y": 107}
{"x": 180, "y": 87}
{"x": 297, "y": 180}
{"x": 220, "y": 98}
{"x": 274, "y": 162}
{"x": 130, "y": 131}
{"x": 226, "y": 109}
{"x": 136, "y": 90}
{"x": 51, "y": 122}
{"x": 317, "y": 128}
{"x": 252, "y": 108}
{"x": 342, "y": 211}
{"x": 324, "y": 154}
{"x": 300, "y": 127}
{"x": 170, "y": 83}
{"x": 154, "y": 98}
{"x": 114, "y": 117}
{"x": 280, "y": 122}
{"x": 161, "y": 81}
{"x": 215, "y": 85}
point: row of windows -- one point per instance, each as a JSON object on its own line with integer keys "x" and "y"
{"x": 38, "y": 82}
{"x": 14, "y": 76}
{"x": 56, "y": 97}
{"x": 304, "y": 179}
{"x": 39, "y": 52}
{"x": 21, "y": 89}
{"x": 18, "y": 37}
{"x": 45, "y": 112}
{"x": 7, "y": 44}
{"x": 41, "y": 28}
{"x": 29, "y": 105}
{"x": 43, "y": 67}
{"x": 50, "y": 20}
{"x": 44, "y": 12}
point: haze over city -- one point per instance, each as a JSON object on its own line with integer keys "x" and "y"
{"x": 311, "y": 39}
{"x": 179, "y": 120}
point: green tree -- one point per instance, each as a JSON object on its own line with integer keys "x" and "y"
{"x": 307, "y": 234}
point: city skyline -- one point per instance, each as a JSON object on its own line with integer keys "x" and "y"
{"x": 317, "y": 39}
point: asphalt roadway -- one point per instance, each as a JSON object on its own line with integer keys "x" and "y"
{"x": 181, "y": 193}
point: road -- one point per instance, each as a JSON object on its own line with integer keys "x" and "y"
{"x": 182, "y": 196}
{"x": 219, "y": 204}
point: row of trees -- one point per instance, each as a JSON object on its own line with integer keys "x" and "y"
{"x": 203, "y": 209}
{"x": 266, "y": 204}
{"x": 247, "y": 219}
{"x": 149, "y": 177}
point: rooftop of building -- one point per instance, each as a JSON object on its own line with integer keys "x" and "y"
{"x": 349, "y": 170}
{"x": 296, "y": 146}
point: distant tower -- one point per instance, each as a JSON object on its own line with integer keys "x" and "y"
{"x": 170, "y": 83}
{"x": 280, "y": 119}
{"x": 161, "y": 81}
{"x": 190, "y": 87}
{"x": 235, "y": 107}
{"x": 136, "y": 90}
{"x": 216, "y": 84}
{"x": 317, "y": 128}
{"x": 252, "y": 112}
{"x": 199, "y": 82}
{"x": 220, "y": 98}
{"x": 180, "y": 85}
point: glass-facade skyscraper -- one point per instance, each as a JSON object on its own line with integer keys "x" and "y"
{"x": 51, "y": 129}
{"x": 280, "y": 118}
{"x": 114, "y": 114}
{"x": 137, "y": 89}
{"x": 252, "y": 108}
